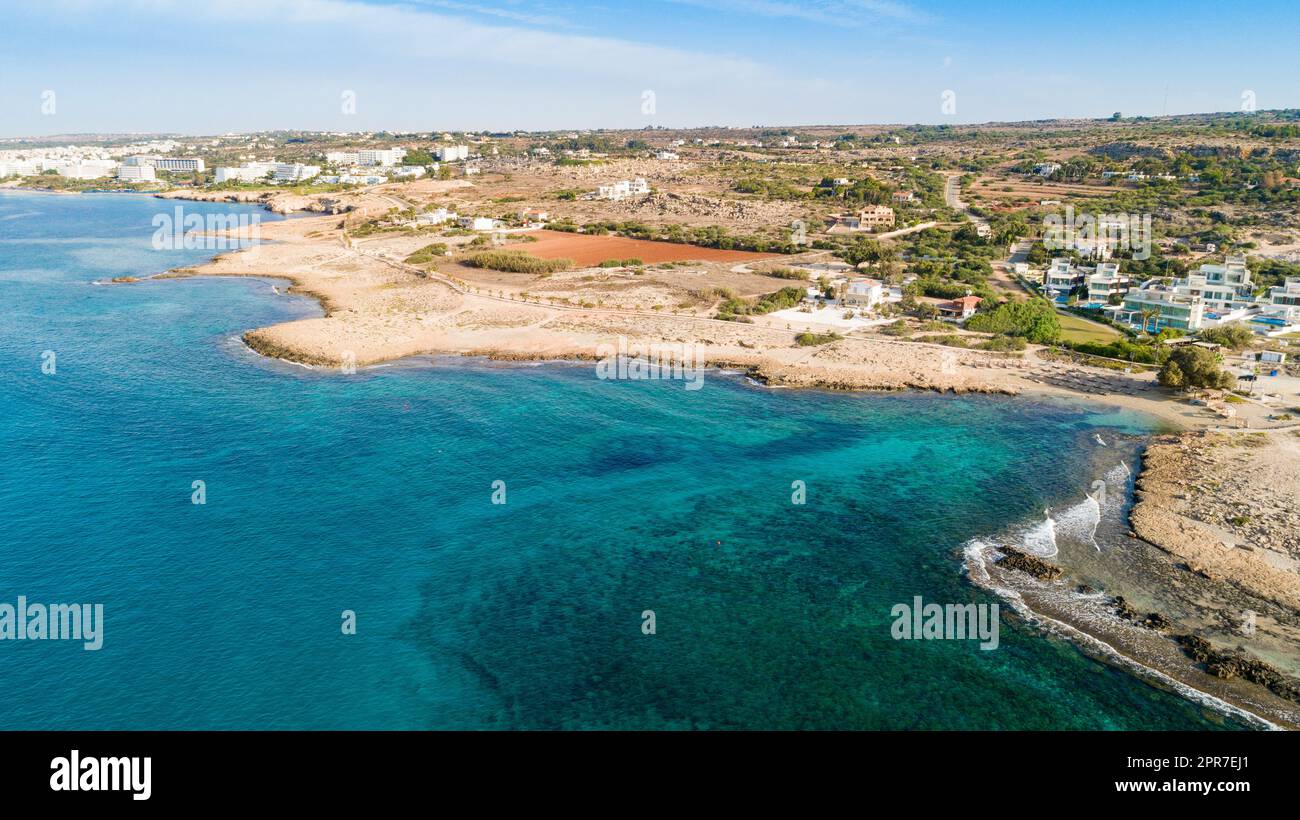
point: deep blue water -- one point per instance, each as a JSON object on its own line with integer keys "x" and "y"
{"x": 372, "y": 493}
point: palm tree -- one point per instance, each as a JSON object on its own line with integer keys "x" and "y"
{"x": 1148, "y": 313}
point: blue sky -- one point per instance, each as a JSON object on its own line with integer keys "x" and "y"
{"x": 211, "y": 66}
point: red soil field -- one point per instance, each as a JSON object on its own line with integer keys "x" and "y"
{"x": 592, "y": 250}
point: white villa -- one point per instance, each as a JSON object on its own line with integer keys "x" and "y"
{"x": 477, "y": 223}
{"x": 1222, "y": 287}
{"x": 438, "y": 217}
{"x": 959, "y": 310}
{"x": 1215, "y": 294}
{"x": 1106, "y": 282}
{"x": 864, "y": 294}
{"x": 1096, "y": 284}
{"x": 1165, "y": 306}
{"x": 1286, "y": 297}
{"x": 1062, "y": 278}
{"x": 623, "y": 189}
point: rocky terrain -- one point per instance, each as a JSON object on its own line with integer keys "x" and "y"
{"x": 275, "y": 201}
{"x": 749, "y": 213}
{"x": 1226, "y": 504}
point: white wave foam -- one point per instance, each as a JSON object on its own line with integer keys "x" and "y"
{"x": 976, "y": 560}
{"x": 1040, "y": 539}
{"x": 1119, "y": 474}
{"x": 239, "y": 340}
{"x": 1080, "y": 521}
{"x": 975, "y": 557}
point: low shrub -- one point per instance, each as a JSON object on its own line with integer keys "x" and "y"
{"x": 816, "y": 339}
{"x": 516, "y": 262}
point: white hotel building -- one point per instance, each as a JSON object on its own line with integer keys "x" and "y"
{"x": 294, "y": 172}
{"x": 368, "y": 157}
{"x": 136, "y": 173}
{"x": 176, "y": 165}
{"x": 451, "y": 153}
{"x": 81, "y": 169}
{"x": 19, "y": 168}
{"x": 248, "y": 172}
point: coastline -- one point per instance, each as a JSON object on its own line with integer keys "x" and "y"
{"x": 1088, "y": 622}
{"x": 377, "y": 310}
{"x": 1128, "y": 571}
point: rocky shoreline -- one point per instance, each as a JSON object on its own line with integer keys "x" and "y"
{"x": 279, "y": 202}
{"x": 1202, "y": 591}
{"x": 1111, "y": 629}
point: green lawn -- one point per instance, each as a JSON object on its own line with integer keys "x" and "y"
{"x": 1078, "y": 329}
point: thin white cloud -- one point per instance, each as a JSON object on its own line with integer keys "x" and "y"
{"x": 829, "y": 12}
{"x": 418, "y": 32}
{"x": 512, "y": 15}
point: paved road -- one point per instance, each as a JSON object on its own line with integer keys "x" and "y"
{"x": 952, "y": 196}
{"x": 952, "y": 192}
{"x": 905, "y": 231}
{"x": 1020, "y": 251}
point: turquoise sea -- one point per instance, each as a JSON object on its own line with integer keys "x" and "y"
{"x": 373, "y": 493}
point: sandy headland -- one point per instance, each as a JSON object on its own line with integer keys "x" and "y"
{"x": 378, "y": 308}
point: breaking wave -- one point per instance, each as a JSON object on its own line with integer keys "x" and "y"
{"x": 1080, "y": 522}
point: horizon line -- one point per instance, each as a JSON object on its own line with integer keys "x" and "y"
{"x": 653, "y": 127}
